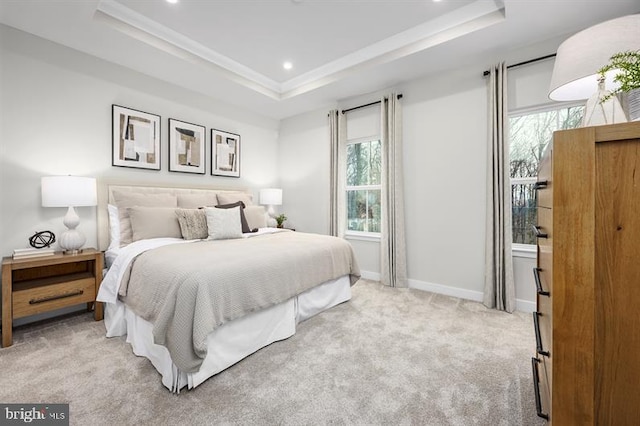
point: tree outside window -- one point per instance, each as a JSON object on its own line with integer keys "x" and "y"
{"x": 530, "y": 134}
{"x": 364, "y": 163}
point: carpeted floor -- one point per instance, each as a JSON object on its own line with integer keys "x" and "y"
{"x": 387, "y": 357}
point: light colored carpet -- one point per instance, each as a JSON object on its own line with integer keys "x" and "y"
{"x": 386, "y": 357}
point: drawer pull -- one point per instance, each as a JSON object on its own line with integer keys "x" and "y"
{"x": 536, "y": 275}
{"x": 539, "y": 234}
{"x": 536, "y": 327}
{"x": 56, "y": 297}
{"x": 536, "y": 387}
{"x": 540, "y": 184}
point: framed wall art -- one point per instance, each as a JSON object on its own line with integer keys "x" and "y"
{"x": 225, "y": 153}
{"x": 135, "y": 138}
{"x": 186, "y": 147}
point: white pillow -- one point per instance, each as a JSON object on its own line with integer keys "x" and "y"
{"x": 114, "y": 227}
{"x": 224, "y": 224}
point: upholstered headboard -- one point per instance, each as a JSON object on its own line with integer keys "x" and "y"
{"x": 105, "y": 197}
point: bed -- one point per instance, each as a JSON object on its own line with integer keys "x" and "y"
{"x": 197, "y": 282}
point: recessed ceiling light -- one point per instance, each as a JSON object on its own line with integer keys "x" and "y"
{"x": 172, "y": 1}
{"x": 287, "y": 65}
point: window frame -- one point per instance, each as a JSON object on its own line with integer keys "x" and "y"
{"x": 352, "y": 234}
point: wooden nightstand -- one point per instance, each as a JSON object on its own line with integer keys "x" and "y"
{"x": 41, "y": 284}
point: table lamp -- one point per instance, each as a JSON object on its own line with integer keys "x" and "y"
{"x": 271, "y": 197}
{"x": 70, "y": 192}
{"x": 575, "y": 72}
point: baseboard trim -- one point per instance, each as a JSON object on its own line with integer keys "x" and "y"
{"x": 446, "y": 290}
{"x": 476, "y": 296}
{"x": 373, "y": 276}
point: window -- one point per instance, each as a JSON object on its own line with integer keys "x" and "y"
{"x": 530, "y": 133}
{"x": 364, "y": 163}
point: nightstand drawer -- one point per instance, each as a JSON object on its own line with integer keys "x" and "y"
{"x": 35, "y": 299}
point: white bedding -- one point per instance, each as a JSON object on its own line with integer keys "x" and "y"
{"x": 227, "y": 344}
{"x": 232, "y": 341}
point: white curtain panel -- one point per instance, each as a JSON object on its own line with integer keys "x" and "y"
{"x": 393, "y": 262}
{"x": 337, "y": 202}
{"x": 499, "y": 289}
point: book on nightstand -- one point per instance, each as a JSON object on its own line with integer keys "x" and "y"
{"x": 32, "y": 252}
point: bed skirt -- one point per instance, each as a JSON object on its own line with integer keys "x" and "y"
{"x": 230, "y": 342}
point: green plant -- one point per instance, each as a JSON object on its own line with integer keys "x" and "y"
{"x": 280, "y": 219}
{"x": 627, "y": 65}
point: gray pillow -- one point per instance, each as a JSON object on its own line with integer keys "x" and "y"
{"x": 153, "y": 222}
{"x": 256, "y": 216}
{"x": 123, "y": 200}
{"x": 193, "y": 223}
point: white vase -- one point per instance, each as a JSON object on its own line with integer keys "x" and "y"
{"x": 632, "y": 104}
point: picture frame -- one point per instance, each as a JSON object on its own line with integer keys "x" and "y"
{"x": 135, "y": 138}
{"x": 187, "y": 147}
{"x": 225, "y": 153}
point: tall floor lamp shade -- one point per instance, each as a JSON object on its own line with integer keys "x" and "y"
{"x": 578, "y": 59}
{"x": 70, "y": 192}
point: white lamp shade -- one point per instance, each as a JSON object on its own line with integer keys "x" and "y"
{"x": 68, "y": 191}
{"x": 575, "y": 72}
{"x": 271, "y": 196}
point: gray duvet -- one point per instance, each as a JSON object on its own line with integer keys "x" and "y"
{"x": 187, "y": 290}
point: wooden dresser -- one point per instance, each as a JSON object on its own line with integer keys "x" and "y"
{"x": 587, "y": 324}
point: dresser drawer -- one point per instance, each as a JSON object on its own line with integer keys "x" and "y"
{"x": 544, "y": 229}
{"x": 542, "y": 327}
{"x": 545, "y": 267}
{"x": 542, "y": 385}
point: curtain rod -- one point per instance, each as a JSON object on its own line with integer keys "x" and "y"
{"x": 367, "y": 105}
{"x": 542, "y": 58}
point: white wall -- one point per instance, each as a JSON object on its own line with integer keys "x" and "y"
{"x": 55, "y": 118}
{"x": 55, "y": 106}
{"x": 445, "y": 133}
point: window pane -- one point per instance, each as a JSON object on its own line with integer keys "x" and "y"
{"x": 352, "y": 164}
{"x": 570, "y": 118}
{"x": 363, "y": 210}
{"x": 529, "y": 136}
{"x": 356, "y": 210}
{"x": 376, "y": 163}
{"x": 358, "y": 164}
{"x": 523, "y": 213}
{"x": 373, "y": 212}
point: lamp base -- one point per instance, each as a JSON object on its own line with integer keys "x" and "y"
{"x": 597, "y": 112}
{"x": 72, "y": 252}
{"x": 72, "y": 240}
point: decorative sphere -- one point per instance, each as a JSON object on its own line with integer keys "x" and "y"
{"x": 42, "y": 239}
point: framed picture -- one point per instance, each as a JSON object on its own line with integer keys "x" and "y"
{"x": 186, "y": 147}
{"x": 225, "y": 153}
{"x": 136, "y": 138}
